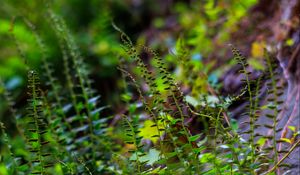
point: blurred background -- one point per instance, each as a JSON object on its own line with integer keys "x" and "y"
{"x": 204, "y": 26}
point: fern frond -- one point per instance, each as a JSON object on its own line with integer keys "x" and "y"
{"x": 12, "y": 158}
{"x": 91, "y": 128}
{"x": 273, "y": 101}
{"x": 132, "y": 132}
{"x": 37, "y": 127}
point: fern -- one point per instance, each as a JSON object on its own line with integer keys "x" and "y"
{"x": 175, "y": 128}
{"x": 84, "y": 102}
{"x": 252, "y": 102}
{"x": 247, "y": 156}
{"x": 274, "y": 103}
{"x": 13, "y": 166}
{"x": 65, "y": 130}
{"x": 37, "y": 128}
{"x": 72, "y": 136}
{"x": 53, "y": 82}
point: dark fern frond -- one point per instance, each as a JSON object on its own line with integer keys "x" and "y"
{"x": 273, "y": 100}
{"x": 52, "y": 81}
{"x": 18, "y": 45}
{"x": 12, "y": 158}
{"x": 79, "y": 66}
{"x": 252, "y": 88}
{"x": 177, "y": 105}
{"x": 132, "y": 131}
{"x": 87, "y": 125}
{"x": 37, "y": 128}
{"x": 8, "y": 97}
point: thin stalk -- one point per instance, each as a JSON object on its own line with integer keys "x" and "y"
{"x": 284, "y": 157}
{"x": 35, "y": 115}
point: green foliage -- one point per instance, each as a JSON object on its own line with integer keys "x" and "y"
{"x": 59, "y": 135}
{"x": 64, "y": 130}
{"x": 223, "y": 149}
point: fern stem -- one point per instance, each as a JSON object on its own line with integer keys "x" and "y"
{"x": 283, "y": 158}
{"x": 9, "y": 146}
{"x": 81, "y": 72}
{"x": 215, "y": 141}
{"x": 34, "y": 90}
{"x": 10, "y": 102}
{"x": 136, "y": 144}
{"x": 242, "y": 61}
{"x": 48, "y": 71}
{"x": 158, "y": 110}
{"x": 187, "y": 134}
{"x": 253, "y": 120}
{"x": 271, "y": 71}
{"x": 70, "y": 84}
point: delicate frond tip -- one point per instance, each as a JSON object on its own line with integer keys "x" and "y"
{"x": 124, "y": 37}
{"x": 237, "y": 54}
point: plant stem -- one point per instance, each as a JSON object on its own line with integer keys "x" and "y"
{"x": 284, "y": 157}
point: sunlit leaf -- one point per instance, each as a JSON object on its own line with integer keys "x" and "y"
{"x": 147, "y": 132}
{"x": 292, "y": 128}
{"x": 151, "y": 157}
{"x": 286, "y": 140}
{"x": 194, "y": 137}
{"x": 257, "y": 49}
{"x": 256, "y": 64}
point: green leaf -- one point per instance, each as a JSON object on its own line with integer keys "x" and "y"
{"x": 296, "y": 133}
{"x": 126, "y": 97}
{"x": 234, "y": 124}
{"x": 23, "y": 168}
{"x": 256, "y": 64}
{"x": 289, "y": 42}
{"x": 151, "y": 133}
{"x": 3, "y": 170}
{"x": 261, "y": 141}
{"x": 194, "y": 138}
{"x": 292, "y": 128}
{"x": 198, "y": 150}
{"x": 286, "y": 140}
{"x": 132, "y": 108}
{"x": 79, "y": 106}
{"x": 192, "y": 101}
{"x": 206, "y": 157}
{"x": 58, "y": 169}
{"x": 152, "y": 156}
{"x": 174, "y": 121}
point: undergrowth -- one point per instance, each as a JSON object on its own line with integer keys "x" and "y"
{"x": 218, "y": 147}
{"x": 63, "y": 131}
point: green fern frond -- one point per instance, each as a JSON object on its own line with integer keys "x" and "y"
{"x": 4, "y": 136}
{"x": 37, "y": 128}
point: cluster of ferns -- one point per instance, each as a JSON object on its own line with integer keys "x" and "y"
{"x": 63, "y": 129}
